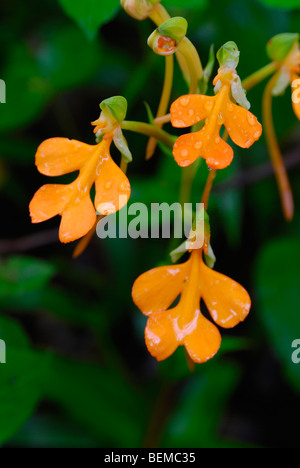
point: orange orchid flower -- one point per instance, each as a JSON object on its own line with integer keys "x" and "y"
{"x": 169, "y": 327}
{"x": 284, "y": 50}
{"x": 218, "y": 110}
{"x": 58, "y": 156}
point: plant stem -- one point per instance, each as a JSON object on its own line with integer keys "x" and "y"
{"x": 149, "y": 130}
{"x": 164, "y": 102}
{"x": 208, "y": 187}
{"x": 259, "y": 75}
{"x": 283, "y": 183}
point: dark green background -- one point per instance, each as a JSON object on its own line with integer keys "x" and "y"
{"x": 78, "y": 373}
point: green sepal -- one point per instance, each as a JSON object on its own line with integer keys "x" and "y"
{"x": 116, "y": 107}
{"x": 174, "y": 29}
{"x": 281, "y": 45}
{"x": 228, "y": 55}
{"x": 122, "y": 145}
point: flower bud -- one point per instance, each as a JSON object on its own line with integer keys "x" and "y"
{"x": 139, "y": 9}
{"x": 167, "y": 37}
{"x": 281, "y": 45}
{"x": 228, "y": 55}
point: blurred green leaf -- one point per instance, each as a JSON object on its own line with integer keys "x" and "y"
{"x": 98, "y": 398}
{"x": 20, "y": 379}
{"x": 278, "y": 295}
{"x": 58, "y": 63}
{"x": 20, "y": 277}
{"x": 285, "y": 4}
{"x": 195, "y": 421}
{"x": 185, "y": 4}
{"x": 34, "y": 73}
{"x": 90, "y": 14}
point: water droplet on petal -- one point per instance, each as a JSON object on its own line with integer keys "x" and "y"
{"x": 198, "y": 145}
{"x": 98, "y": 170}
{"x": 257, "y": 134}
{"x": 184, "y": 101}
{"x": 251, "y": 119}
{"x": 220, "y": 119}
{"x": 217, "y": 139}
{"x": 108, "y": 184}
{"x": 185, "y": 163}
{"x": 184, "y": 152}
{"x": 191, "y": 112}
{"x": 208, "y": 105}
{"x": 230, "y": 106}
{"x": 106, "y": 208}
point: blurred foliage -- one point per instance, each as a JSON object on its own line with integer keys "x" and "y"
{"x": 77, "y": 372}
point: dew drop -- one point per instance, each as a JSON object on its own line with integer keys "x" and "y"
{"x": 184, "y": 101}
{"x": 191, "y": 112}
{"x": 230, "y": 106}
{"x": 251, "y": 119}
{"x": 217, "y": 139}
{"x": 106, "y": 208}
{"x": 98, "y": 170}
{"x": 198, "y": 145}
{"x": 108, "y": 184}
{"x": 184, "y": 152}
{"x": 220, "y": 119}
{"x": 185, "y": 163}
{"x": 256, "y": 135}
{"x": 208, "y": 105}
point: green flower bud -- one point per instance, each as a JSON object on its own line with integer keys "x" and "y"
{"x": 167, "y": 37}
{"x": 228, "y": 55}
{"x": 139, "y": 9}
{"x": 281, "y": 45}
{"x": 114, "y": 107}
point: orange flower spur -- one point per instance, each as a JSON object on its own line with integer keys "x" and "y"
{"x": 216, "y": 111}
{"x": 168, "y": 327}
{"x": 58, "y": 156}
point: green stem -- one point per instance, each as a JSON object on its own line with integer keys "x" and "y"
{"x": 149, "y": 130}
{"x": 259, "y": 75}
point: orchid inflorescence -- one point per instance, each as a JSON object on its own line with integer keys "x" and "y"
{"x": 213, "y": 119}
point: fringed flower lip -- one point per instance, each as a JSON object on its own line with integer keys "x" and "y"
{"x": 59, "y": 156}
{"x": 242, "y": 126}
{"x": 168, "y": 327}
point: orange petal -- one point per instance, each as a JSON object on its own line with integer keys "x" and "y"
{"x": 242, "y": 126}
{"x": 112, "y": 187}
{"x": 77, "y": 219}
{"x": 190, "y": 109}
{"x": 204, "y": 341}
{"x": 157, "y": 289}
{"x": 227, "y": 301}
{"x": 160, "y": 336}
{"x": 57, "y": 156}
{"x": 49, "y": 201}
{"x": 296, "y": 95}
{"x": 189, "y": 147}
